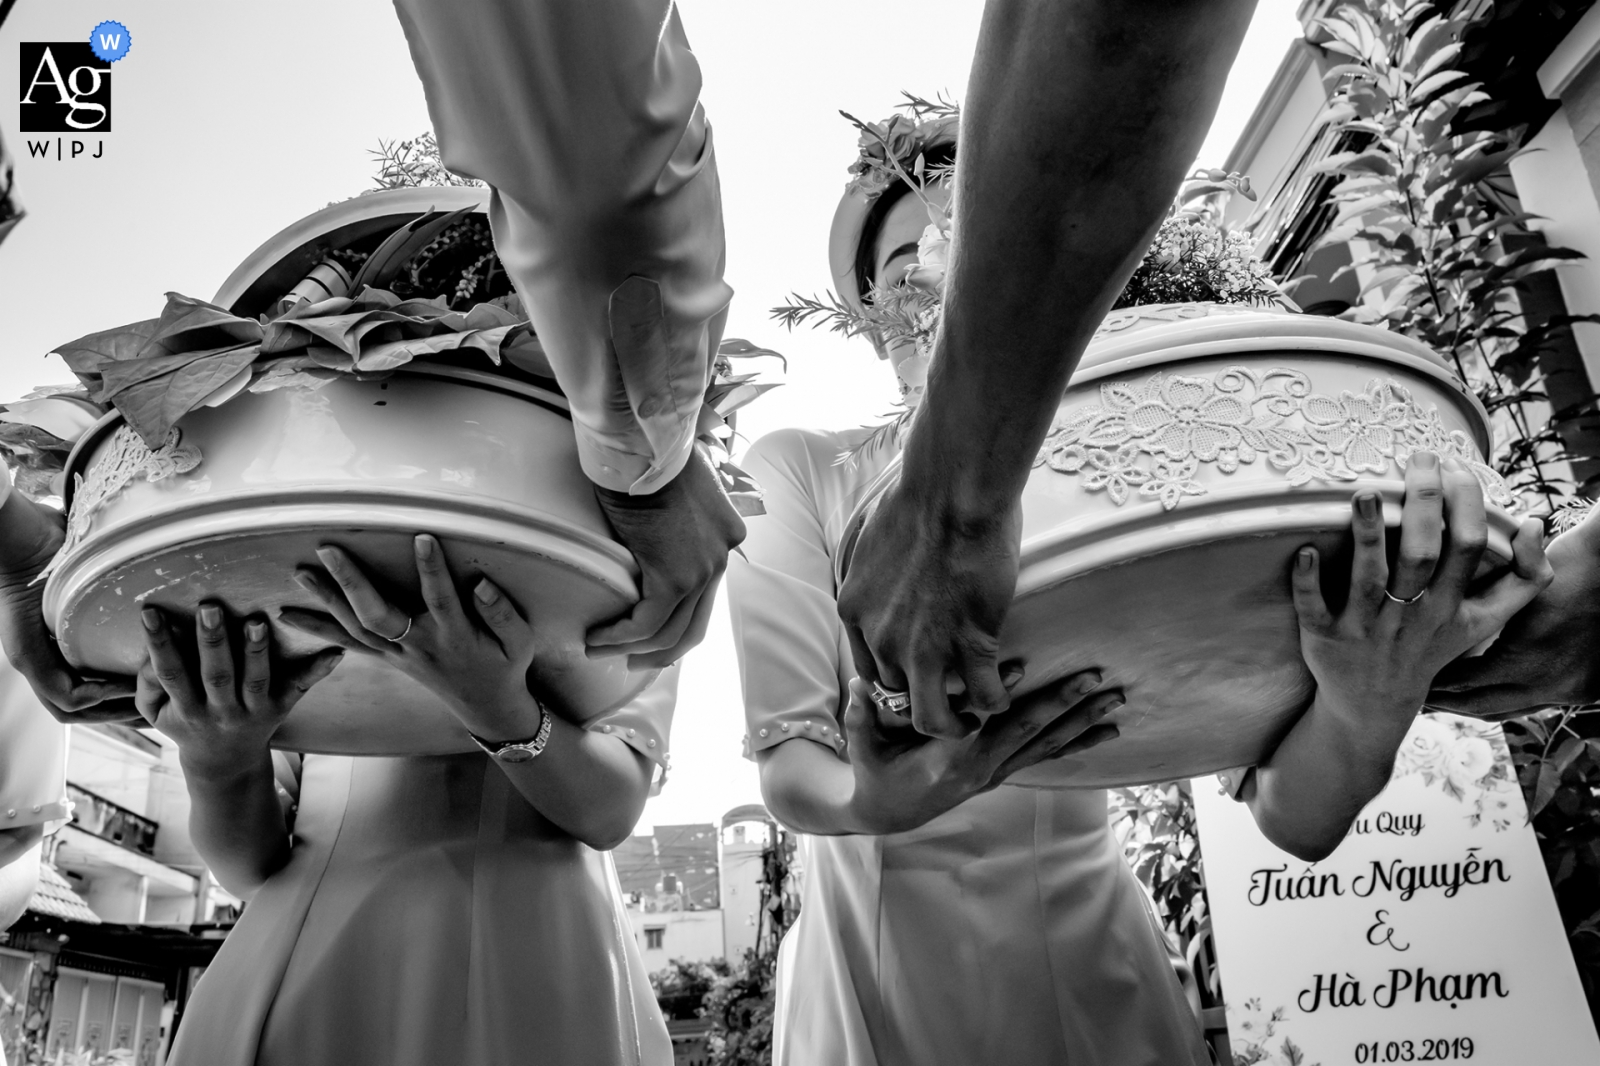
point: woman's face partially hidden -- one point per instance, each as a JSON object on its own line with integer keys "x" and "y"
{"x": 896, "y": 252}
{"x": 902, "y": 229}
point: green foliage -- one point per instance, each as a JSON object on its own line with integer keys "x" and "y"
{"x": 1557, "y": 754}
{"x": 1160, "y": 840}
{"x": 1195, "y": 258}
{"x": 1441, "y": 245}
{"x": 681, "y": 988}
{"x": 408, "y": 164}
{"x": 740, "y": 1007}
{"x": 741, "y": 1002}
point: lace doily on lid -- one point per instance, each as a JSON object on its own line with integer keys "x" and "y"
{"x": 1151, "y": 438}
{"x": 126, "y": 459}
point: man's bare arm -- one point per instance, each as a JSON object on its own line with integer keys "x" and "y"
{"x": 1081, "y": 119}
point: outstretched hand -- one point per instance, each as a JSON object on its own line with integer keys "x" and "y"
{"x": 904, "y": 779}
{"x": 1549, "y": 652}
{"x": 681, "y": 537}
{"x": 923, "y": 602}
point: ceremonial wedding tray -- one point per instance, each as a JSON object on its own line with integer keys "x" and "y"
{"x": 1198, "y": 447}
{"x": 246, "y": 491}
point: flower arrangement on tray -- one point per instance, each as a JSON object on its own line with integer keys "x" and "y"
{"x": 432, "y": 289}
{"x": 1194, "y": 258}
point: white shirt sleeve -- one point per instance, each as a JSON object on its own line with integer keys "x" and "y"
{"x": 583, "y": 116}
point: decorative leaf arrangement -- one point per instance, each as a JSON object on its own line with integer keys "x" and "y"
{"x": 156, "y": 372}
{"x": 432, "y": 288}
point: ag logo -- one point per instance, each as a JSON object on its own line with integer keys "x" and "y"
{"x": 65, "y": 89}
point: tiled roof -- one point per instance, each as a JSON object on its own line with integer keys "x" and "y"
{"x": 54, "y": 897}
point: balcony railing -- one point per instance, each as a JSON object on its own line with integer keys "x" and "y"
{"x": 106, "y": 820}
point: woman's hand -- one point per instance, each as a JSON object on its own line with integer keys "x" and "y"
{"x": 1374, "y": 660}
{"x": 904, "y": 778}
{"x": 219, "y": 705}
{"x": 1378, "y": 656}
{"x": 481, "y": 671}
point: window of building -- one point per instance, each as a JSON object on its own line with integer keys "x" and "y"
{"x": 653, "y": 936}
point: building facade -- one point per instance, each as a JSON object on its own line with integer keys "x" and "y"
{"x": 125, "y": 917}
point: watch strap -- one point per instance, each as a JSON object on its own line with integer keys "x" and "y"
{"x": 529, "y": 747}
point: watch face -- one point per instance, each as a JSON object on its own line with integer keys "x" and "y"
{"x": 517, "y": 754}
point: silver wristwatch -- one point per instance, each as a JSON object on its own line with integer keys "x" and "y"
{"x": 518, "y": 750}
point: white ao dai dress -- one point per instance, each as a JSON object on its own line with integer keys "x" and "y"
{"x": 1007, "y": 931}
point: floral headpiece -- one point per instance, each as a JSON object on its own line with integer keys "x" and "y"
{"x": 896, "y": 149}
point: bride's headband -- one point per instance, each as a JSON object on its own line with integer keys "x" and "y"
{"x": 915, "y": 148}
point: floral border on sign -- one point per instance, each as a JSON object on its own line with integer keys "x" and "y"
{"x": 1466, "y": 759}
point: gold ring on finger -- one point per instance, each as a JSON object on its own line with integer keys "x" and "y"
{"x": 404, "y": 633}
{"x": 1406, "y": 603}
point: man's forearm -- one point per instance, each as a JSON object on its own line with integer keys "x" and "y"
{"x": 1081, "y": 119}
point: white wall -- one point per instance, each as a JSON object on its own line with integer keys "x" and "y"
{"x": 694, "y": 936}
{"x": 1553, "y": 181}
{"x": 741, "y": 896}
{"x": 111, "y": 769}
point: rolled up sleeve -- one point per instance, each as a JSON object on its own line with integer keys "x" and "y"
{"x": 583, "y": 117}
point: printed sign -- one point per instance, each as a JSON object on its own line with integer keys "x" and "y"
{"x": 1430, "y": 935}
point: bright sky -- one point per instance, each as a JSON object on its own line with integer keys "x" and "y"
{"x": 233, "y": 120}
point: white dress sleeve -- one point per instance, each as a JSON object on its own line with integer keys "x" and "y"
{"x": 645, "y": 722}
{"x": 786, "y": 626}
{"x": 583, "y": 116}
{"x": 33, "y": 757}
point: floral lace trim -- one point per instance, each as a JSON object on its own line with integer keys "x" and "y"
{"x": 127, "y": 458}
{"x": 1150, "y": 439}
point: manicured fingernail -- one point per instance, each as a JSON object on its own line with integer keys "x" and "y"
{"x": 424, "y": 546}
{"x": 486, "y": 592}
{"x": 255, "y": 631}
{"x": 1111, "y": 705}
{"x": 1088, "y": 681}
{"x": 329, "y": 557}
{"x": 1424, "y": 460}
{"x": 210, "y": 615}
{"x": 1011, "y": 673}
{"x": 151, "y": 619}
{"x": 1302, "y": 560}
{"x": 306, "y": 581}
{"x": 1367, "y": 504}
{"x": 1453, "y": 465}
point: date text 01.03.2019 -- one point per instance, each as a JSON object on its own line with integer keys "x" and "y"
{"x": 1443, "y": 1049}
